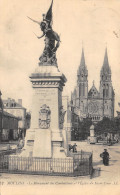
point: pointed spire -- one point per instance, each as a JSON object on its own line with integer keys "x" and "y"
{"x": 106, "y": 63}
{"x": 82, "y": 66}
{"x": 82, "y": 63}
{"x": 106, "y": 67}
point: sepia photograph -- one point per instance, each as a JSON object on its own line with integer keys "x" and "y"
{"x": 59, "y": 97}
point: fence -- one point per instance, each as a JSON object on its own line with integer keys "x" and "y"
{"x": 82, "y": 163}
{"x": 75, "y": 166}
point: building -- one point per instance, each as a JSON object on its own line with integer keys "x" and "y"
{"x": 94, "y": 103}
{"x": 8, "y": 124}
{"x": 118, "y": 112}
{"x": 16, "y": 109}
{"x": 28, "y": 120}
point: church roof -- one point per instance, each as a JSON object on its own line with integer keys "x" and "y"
{"x": 93, "y": 92}
{"x": 82, "y": 67}
{"x": 106, "y": 67}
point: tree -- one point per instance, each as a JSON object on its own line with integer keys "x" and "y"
{"x": 105, "y": 126}
{"x": 82, "y": 129}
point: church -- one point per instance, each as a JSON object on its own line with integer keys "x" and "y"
{"x": 94, "y": 103}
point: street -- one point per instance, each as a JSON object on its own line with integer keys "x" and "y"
{"x": 103, "y": 173}
{"x": 109, "y": 174}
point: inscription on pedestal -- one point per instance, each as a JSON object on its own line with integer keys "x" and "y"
{"x": 45, "y": 92}
{"x": 44, "y": 117}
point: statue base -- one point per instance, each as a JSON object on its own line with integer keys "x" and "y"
{"x": 43, "y": 143}
{"x": 45, "y": 138}
{"x": 92, "y": 139}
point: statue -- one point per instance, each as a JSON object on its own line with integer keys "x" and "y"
{"x": 52, "y": 39}
{"x": 61, "y": 117}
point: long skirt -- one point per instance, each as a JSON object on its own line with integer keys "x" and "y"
{"x": 106, "y": 161}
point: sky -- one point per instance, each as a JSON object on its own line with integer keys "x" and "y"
{"x": 91, "y": 24}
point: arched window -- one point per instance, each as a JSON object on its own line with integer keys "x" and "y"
{"x": 80, "y": 90}
{"x": 83, "y": 89}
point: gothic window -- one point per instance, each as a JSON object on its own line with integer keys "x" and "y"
{"x": 103, "y": 92}
{"x": 106, "y": 92}
{"x": 80, "y": 89}
{"x": 83, "y": 89}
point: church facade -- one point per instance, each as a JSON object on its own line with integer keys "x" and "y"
{"x": 94, "y": 103}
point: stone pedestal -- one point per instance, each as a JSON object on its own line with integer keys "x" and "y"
{"x": 92, "y": 139}
{"x": 45, "y": 139}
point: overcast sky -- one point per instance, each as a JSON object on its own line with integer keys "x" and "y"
{"x": 93, "y": 22}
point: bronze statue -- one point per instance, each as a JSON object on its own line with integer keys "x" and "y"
{"x": 52, "y": 39}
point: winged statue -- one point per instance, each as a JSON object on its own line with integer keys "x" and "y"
{"x": 52, "y": 39}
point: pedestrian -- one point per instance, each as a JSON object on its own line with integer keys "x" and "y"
{"x": 74, "y": 147}
{"x": 105, "y": 156}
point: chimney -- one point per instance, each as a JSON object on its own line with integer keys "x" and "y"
{"x": 20, "y": 101}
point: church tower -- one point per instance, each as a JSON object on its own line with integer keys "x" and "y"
{"x": 82, "y": 86}
{"x": 106, "y": 89}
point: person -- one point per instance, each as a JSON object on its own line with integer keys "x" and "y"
{"x": 105, "y": 156}
{"x": 74, "y": 147}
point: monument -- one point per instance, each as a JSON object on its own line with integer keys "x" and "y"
{"x": 45, "y": 139}
{"x": 45, "y": 150}
{"x": 92, "y": 139}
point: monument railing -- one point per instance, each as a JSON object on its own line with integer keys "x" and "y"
{"x": 75, "y": 166}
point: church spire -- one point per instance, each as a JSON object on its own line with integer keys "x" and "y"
{"x": 106, "y": 68}
{"x": 82, "y": 63}
{"x": 82, "y": 68}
